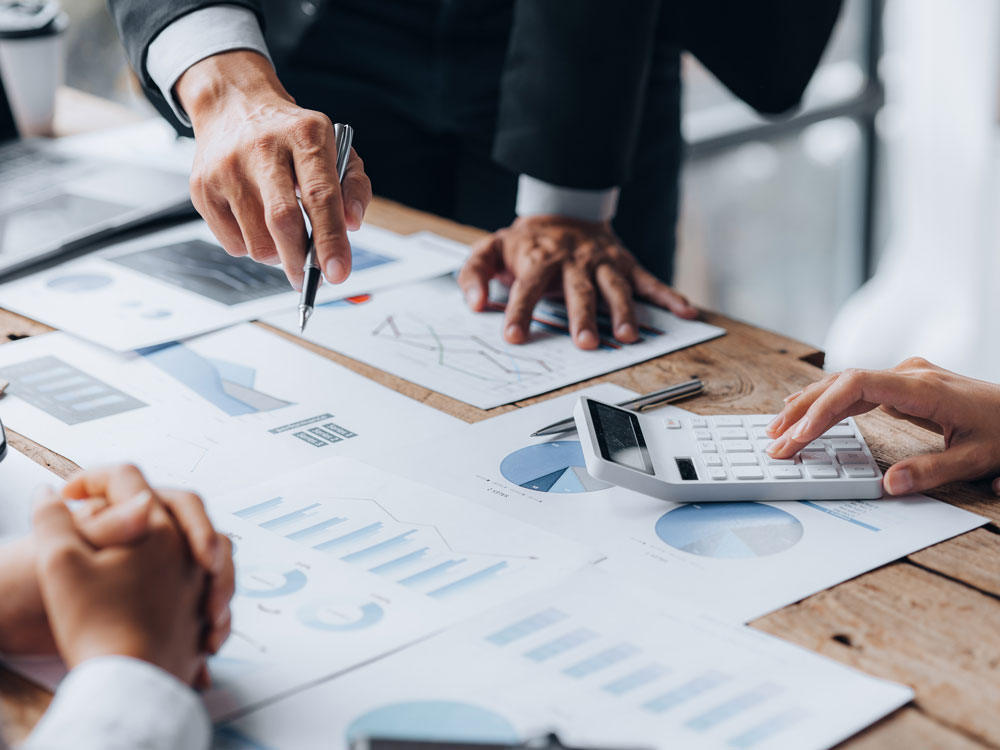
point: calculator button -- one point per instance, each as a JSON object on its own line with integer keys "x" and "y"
{"x": 852, "y": 457}
{"x": 859, "y": 471}
{"x": 699, "y": 422}
{"x": 815, "y": 457}
{"x": 672, "y": 424}
{"x": 732, "y": 433}
{"x": 708, "y": 447}
{"x": 823, "y": 472}
{"x": 778, "y": 461}
{"x": 703, "y": 434}
{"x": 728, "y": 422}
{"x": 718, "y": 474}
{"x": 763, "y": 445}
{"x": 742, "y": 459}
{"x": 748, "y": 472}
{"x": 816, "y": 445}
{"x": 712, "y": 460}
{"x": 845, "y": 444}
{"x": 760, "y": 420}
{"x": 738, "y": 446}
{"x": 838, "y": 431}
{"x": 786, "y": 472}
{"x": 759, "y": 432}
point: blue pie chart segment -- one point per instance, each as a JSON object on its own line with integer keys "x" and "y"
{"x": 550, "y": 467}
{"x": 80, "y": 282}
{"x": 729, "y": 531}
{"x": 341, "y": 614}
{"x": 434, "y": 721}
{"x": 265, "y": 583}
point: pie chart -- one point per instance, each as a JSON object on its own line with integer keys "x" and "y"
{"x": 435, "y": 721}
{"x": 265, "y": 583}
{"x": 341, "y": 614}
{"x": 729, "y": 531}
{"x": 550, "y": 467}
{"x": 79, "y": 282}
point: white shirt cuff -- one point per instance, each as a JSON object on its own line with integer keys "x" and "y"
{"x": 535, "y": 198}
{"x": 119, "y": 703}
{"x": 192, "y": 38}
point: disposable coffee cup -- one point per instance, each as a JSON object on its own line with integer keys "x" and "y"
{"x": 31, "y": 61}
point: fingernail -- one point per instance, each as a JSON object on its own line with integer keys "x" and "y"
{"x": 776, "y": 446}
{"x": 586, "y": 338}
{"x": 297, "y": 286}
{"x": 357, "y": 212}
{"x": 139, "y": 500}
{"x": 899, "y": 482}
{"x": 474, "y": 296}
{"x": 772, "y": 426}
{"x": 513, "y": 332}
{"x": 801, "y": 429}
{"x": 792, "y": 396}
{"x": 626, "y": 332}
{"x": 334, "y": 271}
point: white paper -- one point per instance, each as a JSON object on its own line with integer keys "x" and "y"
{"x": 735, "y": 560}
{"x": 427, "y": 334}
{"x": 20, "y": 478}
{"x": 178, "y": 283}
{"x": 223, "y": 411}
{"x": 596, "y": 665}
{"x": 150, "y": 143}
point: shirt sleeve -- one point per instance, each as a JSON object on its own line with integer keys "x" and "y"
{"x": 535, "y": 197}
{"x": 119, "y": 703}
{"x": 192, "y": 38}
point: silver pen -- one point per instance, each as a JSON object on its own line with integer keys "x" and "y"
{"x": 343, "y": 136}
{"x": 647, "y": 401}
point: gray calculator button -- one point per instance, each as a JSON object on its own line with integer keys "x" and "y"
{"x": 732, "y": 433}
{"x": 759, "y": 432}
{"x": 815, "y": 445}
{"x": 711, "y": 459}
{"x": 859, "y": 471}
{"x": 738, "y": 446}
{"x": 672, "y": 424}
{"x": 703, "y": 434}
{"x": 699, "y": 423}
{"x": 786, "y": 472}
{"x": 718, "y": 474}
{"x": 763, "y": 445}
{"x": 778, "y": 461}
{"x": 708, "y": 447}
{"x": 815, "y": 457}
{"x": 742, "y": 459}
{"x": 748, "y": 472}
{"x": 823, "y": 472}
{"x": 845, "y": 444}
{"x": 728, "y": 422}
{"x": 838, "y": 431}
{"x": 760, "y": 420}
{"x": 852, "y": 457}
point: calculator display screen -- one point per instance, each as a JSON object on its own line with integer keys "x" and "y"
{"x": 619, "y": 437}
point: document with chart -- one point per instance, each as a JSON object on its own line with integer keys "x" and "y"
{"x": 736, "y": 560}
{"x": 20, "y": 477}
{"x": 427, "y": 334}
{"x": 594, "y": 663}
{"x": 341, "y": 562}
{"x": 179, "y": 283}
{"x": 231, "y": 408}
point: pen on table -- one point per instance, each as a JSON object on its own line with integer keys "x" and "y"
{"x": 343, "y": 136}
{"x": 647, "y": 401}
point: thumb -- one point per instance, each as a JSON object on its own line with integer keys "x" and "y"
{"x": 123, "y": 523}
{"x": 54, "y": 525}
{"x": 482, "y": 265}
{"x": 926, "y": 472}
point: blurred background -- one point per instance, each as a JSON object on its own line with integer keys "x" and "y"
{"x": 867, "y": 224}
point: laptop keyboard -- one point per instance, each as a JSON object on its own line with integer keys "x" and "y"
{"x": 27, "y": 171}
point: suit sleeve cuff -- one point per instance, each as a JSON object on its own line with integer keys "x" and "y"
{"x": 535, "y": 197}
{"x": 119, "y": 703}
{"x": 195, "y": 36}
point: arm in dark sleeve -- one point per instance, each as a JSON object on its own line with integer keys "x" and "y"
{"x": 573, "y": 89}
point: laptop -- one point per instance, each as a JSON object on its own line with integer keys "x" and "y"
{"x": 54, "y": 201}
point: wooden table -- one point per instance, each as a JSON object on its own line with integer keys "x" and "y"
{"x": 931, "y": 621}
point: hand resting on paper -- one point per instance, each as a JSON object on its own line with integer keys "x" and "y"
{"x": 964, "y": 411}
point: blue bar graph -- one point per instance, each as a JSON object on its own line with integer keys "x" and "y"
{"x": 295, "y": 515}
{"x": 400, "y": 562}
{"x": 364, "y": 531}
{"x": 601, "y": 660}
{"x": 687, "y": 691}
{"x": 263, "y": 507}
{"x": 561, "y": 645}
{"x": 733, "y": 706}
{"x": 526, "y": 627}
{"x": 316, "y": 528}
{"x": 637, "y": 679}
{"x": 470, "y": 580}
{"x": 379, "y": 547}
{"x": 436, "y": 570}
{"x": 767, "y": 728}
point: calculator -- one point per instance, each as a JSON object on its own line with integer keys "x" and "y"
{"x": 720, "y": 458}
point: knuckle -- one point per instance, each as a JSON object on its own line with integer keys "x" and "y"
{"x": 914, "y": 363}
{"x": 284, "y": 215}
{"x": 318, "y": 193}
{"x": 311, "y": 129}
{"x": 265, "y": 142}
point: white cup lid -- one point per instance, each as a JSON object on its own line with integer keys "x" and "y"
{"x": 23, "y": 19}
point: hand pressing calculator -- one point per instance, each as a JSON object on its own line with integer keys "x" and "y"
{"x": 720, "y": 458}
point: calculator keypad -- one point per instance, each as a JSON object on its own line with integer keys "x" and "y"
{"x": 734, "y": 447}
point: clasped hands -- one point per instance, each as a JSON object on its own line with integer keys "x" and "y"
{"x": 129, "y": 571}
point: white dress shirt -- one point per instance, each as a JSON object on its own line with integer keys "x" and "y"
{"x": 222, "y": 28}
{"x": 119, "y": 703}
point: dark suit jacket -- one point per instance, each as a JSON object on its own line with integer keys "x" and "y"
{"x": 573, "y": 90}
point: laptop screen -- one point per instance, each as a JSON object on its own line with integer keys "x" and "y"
{"x": 8, "y": 129}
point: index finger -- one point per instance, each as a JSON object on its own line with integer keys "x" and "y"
{"x": 189, "y": 512}
{"x": 117, "y": 484}
{"x": 524, "y": 295}
{"x": 54, "y": 527}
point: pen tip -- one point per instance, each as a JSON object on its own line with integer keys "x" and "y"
{"x": 303, "y": 318}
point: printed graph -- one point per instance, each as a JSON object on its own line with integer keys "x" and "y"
{"x": 550, "y": 467}
{"x": 340, "y": 614}
{"x": 434, "y": 721}
{"x": 729, "y": 531}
